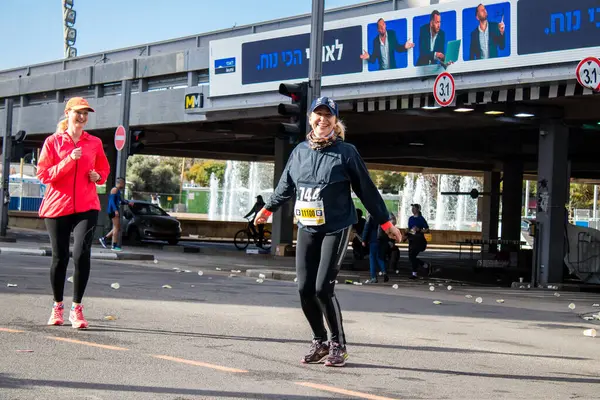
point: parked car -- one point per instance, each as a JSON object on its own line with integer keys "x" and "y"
{"x": 146, "y": 221}
{"x": 527, "y": 225}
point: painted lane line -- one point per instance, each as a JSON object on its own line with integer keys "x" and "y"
{"x": 199, "y": 364}
{"x": 342, "y": 391}
{"x": 11, "y": 330}
{"x": 102, "y": 346}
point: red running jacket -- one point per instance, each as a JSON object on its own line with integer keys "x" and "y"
{"x": 69, "y": 188}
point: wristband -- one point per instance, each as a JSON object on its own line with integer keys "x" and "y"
{"x": 266, "y": 212}
{"x": 387, "y": 226}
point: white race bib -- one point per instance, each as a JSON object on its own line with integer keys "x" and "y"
{"x": 310, "y": 213}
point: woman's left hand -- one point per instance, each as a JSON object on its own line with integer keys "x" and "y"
{"x": 94, "y": 176}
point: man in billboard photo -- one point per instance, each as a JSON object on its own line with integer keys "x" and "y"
{"x": 432, "y": 41}
{"x": 488, "y": 37}
{"x": 385, "y": 44}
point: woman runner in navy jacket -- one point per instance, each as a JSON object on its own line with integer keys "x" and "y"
{"x": 321, "y": 172}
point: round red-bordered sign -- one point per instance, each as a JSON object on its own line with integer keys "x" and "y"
{"x": 120, "y": 137}
{"x": 444, "y": 89}
{"x": 588, "y": 73}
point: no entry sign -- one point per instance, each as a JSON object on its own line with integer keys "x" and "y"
{"x": 120, "y": 138}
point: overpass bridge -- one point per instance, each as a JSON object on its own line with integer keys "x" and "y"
{"x": 525, "y": 112}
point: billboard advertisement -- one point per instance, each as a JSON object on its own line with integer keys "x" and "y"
{"x": 458, "y": 37}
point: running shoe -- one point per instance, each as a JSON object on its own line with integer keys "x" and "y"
{"x": 77, "y": 319}
{"x": 116, "y": 248}
{"x": 337, "y": 355}
{"x": 103, "y": 242}
{"x": 56, "y": 318}
{"x": 317, "y": 354}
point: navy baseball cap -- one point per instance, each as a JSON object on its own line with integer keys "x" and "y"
{"x": 327, "y": 102}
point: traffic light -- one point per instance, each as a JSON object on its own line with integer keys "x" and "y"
{"x": 135, "y": 142}
{"x": 18, "y": 146}
{"x": 298, "y": 110}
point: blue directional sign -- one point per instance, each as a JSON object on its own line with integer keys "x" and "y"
{"x": 288, "y": 57}
{"x": 225, "y": 65}
{"x": 553, "y": 25}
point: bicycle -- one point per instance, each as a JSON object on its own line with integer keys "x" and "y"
{"x": 242, "y": 238}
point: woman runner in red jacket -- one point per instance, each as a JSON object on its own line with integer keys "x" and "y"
{"x": 71, "y": 164}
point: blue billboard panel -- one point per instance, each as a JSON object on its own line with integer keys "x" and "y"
{"x": 287, "y": 57}
{"x": 554, "y": 25}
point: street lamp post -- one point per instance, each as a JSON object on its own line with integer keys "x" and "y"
{"x": 70, "y": 33}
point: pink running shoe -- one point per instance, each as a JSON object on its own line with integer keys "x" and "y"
{"x": 77, "y": 319}
{"x": 56, "y": 318}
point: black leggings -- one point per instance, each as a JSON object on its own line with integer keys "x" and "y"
{"x": 82, "y": 225}
{"x": 319, "y": 257}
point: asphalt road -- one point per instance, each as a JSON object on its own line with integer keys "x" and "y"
{"x": 220, "y": 337}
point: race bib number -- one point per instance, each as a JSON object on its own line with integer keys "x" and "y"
{"x": 309, "y": 209}
{"x": 310, "y": 213}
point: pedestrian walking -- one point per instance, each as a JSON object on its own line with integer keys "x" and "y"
{"x": 417, "y": 228}
{"x": 115, "y": 201}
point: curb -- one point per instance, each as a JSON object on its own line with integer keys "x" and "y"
{"x": 46, "y": 252}
{"x": 25, "y": 252}
{"x": 279, "y": 275}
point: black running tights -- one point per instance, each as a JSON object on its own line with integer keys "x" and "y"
{"x": 59, "y": 229}
{"x": 319, "y": 257}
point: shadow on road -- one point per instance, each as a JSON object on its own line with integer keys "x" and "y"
{"x": 7, "y": 382}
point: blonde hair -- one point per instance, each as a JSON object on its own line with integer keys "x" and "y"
{"x": 339, "y": 128}
{"x": 62, "y": 125}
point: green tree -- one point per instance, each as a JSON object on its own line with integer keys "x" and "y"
{"x": 151, "y": 175}
{"x": 582, "y": 196}
{"x": 200, "y": 172}
{"x": 388, "y": 181}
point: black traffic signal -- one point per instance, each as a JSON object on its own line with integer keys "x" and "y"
{"x": 135, "y": 142}
{"x": 297, "y": 110}
{"x": 18, "y": 146}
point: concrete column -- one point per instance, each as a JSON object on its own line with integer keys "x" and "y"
{"x": 512, "y": 201}
{"x": 490, "y": 213}
{"x": 60, "y": 96}
{"x": 283, "y": 219}
{"x": 553, "y": 188}
{"x": 192, "y": 79}
{"x": 99, "y": 91}
{"x": 143, "y": 85}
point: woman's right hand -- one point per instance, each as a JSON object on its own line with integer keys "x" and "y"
{"x": 261, "y": 217}
{"x": 76, "y": 153}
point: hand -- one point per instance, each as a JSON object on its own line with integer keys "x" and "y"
{"x": 261, "y": 217}
{"x": 394, "y": 233}
{"x": 409, "y": 44}
{"x": 365, "y": 55}
{"x": 364, "y": 244}
{"x": 94, "y": 176}
{"x": 76, "y": 153}
{"x": 116, "y": 213}
{"x": 501, "y": 26}
{"x": 440, "y": 56}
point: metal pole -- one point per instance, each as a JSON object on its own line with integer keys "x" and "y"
{"x": 123, "y": 154}
{"x": 595, "y": 214}
{"x": 6, "y": 147}
{"x": 21, "y": 186}
{"x": 526, "y": 199}
{"x": 316, "y": 49}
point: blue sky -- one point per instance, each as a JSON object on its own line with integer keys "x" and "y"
{"x": 35, "y": 26}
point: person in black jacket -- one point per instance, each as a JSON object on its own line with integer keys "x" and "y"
{"x": 321, "y": 172}
{"x": 385, "y": 46}
{"x": 379, "y": 245}
{"x": 487, "y": 38}
{"x": 255, "y": 209}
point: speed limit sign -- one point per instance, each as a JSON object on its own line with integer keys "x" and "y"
{"x": 444, "y": 89}
{"x": 588, "y": 73}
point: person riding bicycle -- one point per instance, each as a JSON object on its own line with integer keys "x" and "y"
{"x": 255, "y": 209}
